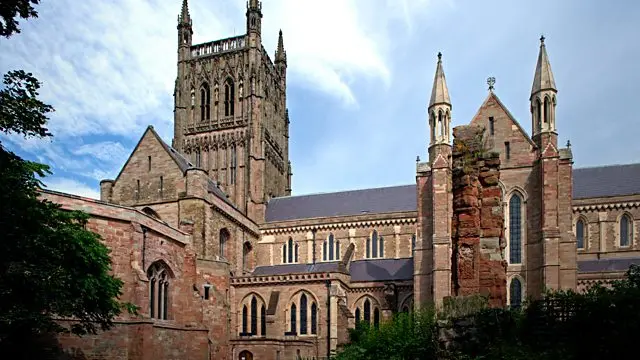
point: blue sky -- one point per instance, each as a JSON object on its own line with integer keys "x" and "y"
{"x": 359, "y": 79}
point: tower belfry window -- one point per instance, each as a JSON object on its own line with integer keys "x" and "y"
{"x": 229, "y": 98}
{"x": 205, "y": 102}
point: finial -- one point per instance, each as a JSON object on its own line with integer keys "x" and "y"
{"x": 491, "y": 81}
{"x": 418, "y": 158}
{"x": 439, "y": 56}
{"x": 542, "y": 40}
{"x": 568, "y": 143}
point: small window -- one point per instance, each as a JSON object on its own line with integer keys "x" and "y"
{"x": 161, "y": 186}
{"x": 580, "y": 234}
{"x": 137, "y": 189}
{"x": 491, "y": 126}
{"x": 149, "y": 163}
{"x": 626, "y": 230}
{"x": 507, "y": 150}
{"x": 206, "y": 292}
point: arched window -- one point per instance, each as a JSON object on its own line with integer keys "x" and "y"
{"x": 293, "y": 319}
{"x": 515, "y": 229}
{"x": 193, "y": 97}
{"x": 357, "y": 315}
{"x": 331, "y": 253}
{"x": 626, "y": 230}
{"x": 254, "y": 316}
{"x": 367, "y": 311}
{"x": 515, "y": 292}
{"x": 263, "y": 321}
{"x": 246, "y": 255}
{"x": 284, "y": 253}
{"x": 337, "y": 249}
{"x": 229, "y": 97}
{"x": 413, "y": 242}
{"x": 224, "y": 237}
{"x": 546, "y": 110}
{"x": 159, "y": 278}
{"x": 303, "y": 314}
{"x": 580, "y": 234}
{"x": 538, "y": 114}
{"x": 374, "y": 244}
{"x": 245, "y": 319}
{"x": 205, "y": 102}
{"x": 440, "y": 125}
{"x": 376, "y": 317}
{"x": 314, "y": 318}
{"x": 290, "y": 257}
{"x": 198, "y": 160}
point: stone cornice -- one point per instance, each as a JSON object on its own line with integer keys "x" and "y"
{"x": 281, "y": 279}
{"x": 607, "y": 206}
{"x": 338, "y": 225}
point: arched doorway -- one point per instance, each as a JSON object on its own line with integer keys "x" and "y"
{"x": 245, "y": 355}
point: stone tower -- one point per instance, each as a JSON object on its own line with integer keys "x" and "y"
{"x": 552, "y": 263}
{"x": 230, "y": 112}
{"x": 432, "y": 257}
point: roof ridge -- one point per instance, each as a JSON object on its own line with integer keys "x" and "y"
{"x": 606, "y": 166}
{"x": 342, "y": 191}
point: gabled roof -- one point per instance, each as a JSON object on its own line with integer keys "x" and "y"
{"x": 492, "y": 95}
{"x": 344, "y": 203}
{"x": 182, "y": 163}
{"x": 603, "y": 265}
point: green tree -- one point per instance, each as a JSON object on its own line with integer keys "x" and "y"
{"x": 50, "y": 265}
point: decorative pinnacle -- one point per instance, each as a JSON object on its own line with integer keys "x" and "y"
{"x": 491, "y": 81}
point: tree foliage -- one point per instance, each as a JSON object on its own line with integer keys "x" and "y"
{"x": 51, "y": 266}
{"x": 408, "y": 336}
{"x": 10, "y": 10}
{"x": 600, "y": 323}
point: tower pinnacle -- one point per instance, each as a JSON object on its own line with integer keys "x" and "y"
{"x": 439, "y": 92}
{"x": 543, "y": 78}
{"x": 281, "y": 55}
{"x": 184, "y": 14}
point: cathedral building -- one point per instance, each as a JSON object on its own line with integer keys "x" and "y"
{"x": 225, "y": 263}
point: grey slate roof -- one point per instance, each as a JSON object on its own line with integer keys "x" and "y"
{"x": 355, "y": 202}
{"x": 295, "y": 268}
{"x": 621, "y": 264}
{"x": 602, "y": 181}
{"x": 382, "y": 270}
{"x": 361, "y": 270}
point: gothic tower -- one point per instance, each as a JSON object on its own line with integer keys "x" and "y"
{"x": 555, "y": 266}
{"x": 432, "y": 257}
{"x": 230, "y": 112}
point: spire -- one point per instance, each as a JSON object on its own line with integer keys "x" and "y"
{"x": 439, "y": 92}
{"x": 281, "y": 55}
{"x": 184, "y": 14}
{"x": 543, "y": 79}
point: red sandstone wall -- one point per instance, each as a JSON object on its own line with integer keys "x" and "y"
{"x": 478, "y": 220}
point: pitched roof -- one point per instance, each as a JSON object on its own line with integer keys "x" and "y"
{"x": 361, "y": 270}
{"x": 605, "y": 181}
{"x": 620, "y": 264}
{"x": 382, "y": 270}
{"x": 602, "y": 181}
{"x": 344, "y": 203}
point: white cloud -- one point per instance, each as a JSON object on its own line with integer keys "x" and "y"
{"x": 109, "y": 151}
{"x": 71, "y": 186}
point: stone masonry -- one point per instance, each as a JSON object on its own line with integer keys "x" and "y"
{"x": 478, "y": 265}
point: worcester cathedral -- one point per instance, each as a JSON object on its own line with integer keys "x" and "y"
{"x": 225, "y": 263}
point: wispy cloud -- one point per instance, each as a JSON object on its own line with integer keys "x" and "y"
{"x": 71, "y": 186}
